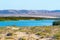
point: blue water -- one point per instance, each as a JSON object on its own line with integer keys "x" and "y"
{"x": 27, "y": 23}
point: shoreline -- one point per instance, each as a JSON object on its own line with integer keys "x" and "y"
{"x": 26, "y": 18}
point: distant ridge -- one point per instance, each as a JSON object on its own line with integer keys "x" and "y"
{"x": 53, "y": 13}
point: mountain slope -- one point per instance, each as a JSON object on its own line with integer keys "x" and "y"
{"x": 54, "y": 13}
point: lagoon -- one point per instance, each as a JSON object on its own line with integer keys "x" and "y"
{"x": 27, "y": 23}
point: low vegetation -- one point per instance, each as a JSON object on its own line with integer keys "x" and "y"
{"x": 41, "y": 32}
{"x": 56, "y": 22}
{"x": 24, "y": 18}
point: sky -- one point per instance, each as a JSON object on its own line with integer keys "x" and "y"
{"x": 30, "y": 4}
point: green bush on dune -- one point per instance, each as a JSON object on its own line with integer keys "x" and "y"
{"x": 57, "y": 36}
{"x": 56, "y": 22}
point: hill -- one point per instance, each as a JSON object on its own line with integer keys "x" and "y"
{"x": 30, "y": 13}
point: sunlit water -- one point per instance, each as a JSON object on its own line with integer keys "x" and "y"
{"x": 27, "y": 23}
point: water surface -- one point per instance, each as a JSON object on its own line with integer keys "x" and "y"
{"x": 27, "y": 23}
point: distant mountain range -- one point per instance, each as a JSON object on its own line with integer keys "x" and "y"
{"x": 30, "y": 13}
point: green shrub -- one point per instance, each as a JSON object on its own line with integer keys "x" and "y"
{"x": 57, "y": 36}
{"x": 56, "y": 22}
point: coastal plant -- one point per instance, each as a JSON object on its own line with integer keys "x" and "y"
{"x": 56, "y": 22}
{"x": 57, "y": 36}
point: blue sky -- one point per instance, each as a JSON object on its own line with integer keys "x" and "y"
{"x": 30, "y": 4}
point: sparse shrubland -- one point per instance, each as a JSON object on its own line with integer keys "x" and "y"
{"x": 42, "y": 32}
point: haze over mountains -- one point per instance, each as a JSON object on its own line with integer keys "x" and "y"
{"x": 30, "y": 13}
